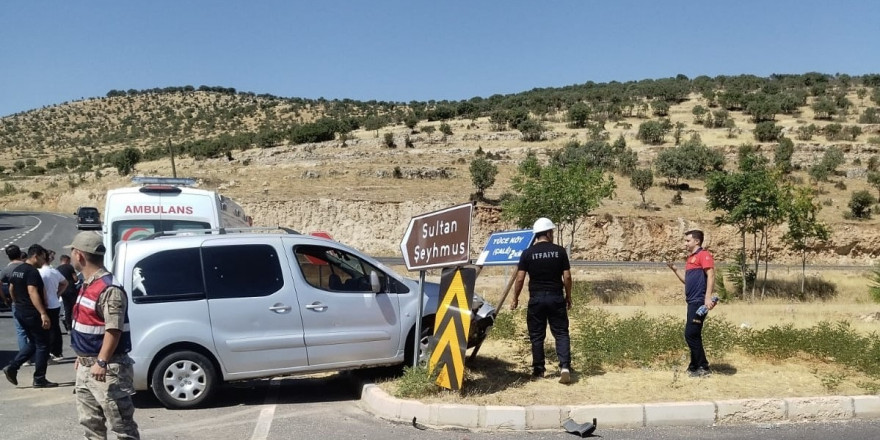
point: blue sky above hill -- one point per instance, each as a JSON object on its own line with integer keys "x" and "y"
{"x": 55, "y": 51}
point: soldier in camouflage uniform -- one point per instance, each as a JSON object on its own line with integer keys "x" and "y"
{"x": 101, "y": 338}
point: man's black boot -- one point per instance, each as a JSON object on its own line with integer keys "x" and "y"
{"x": 11, "y": 375}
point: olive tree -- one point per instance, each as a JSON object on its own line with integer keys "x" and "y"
{"x": 483, "y": 174}
{"x": 565, "y": 194}
{"x": 641, "y": 179}
{"x": 125, "y": 160}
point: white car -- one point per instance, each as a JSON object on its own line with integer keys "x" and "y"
{"x": 209, "y": 308}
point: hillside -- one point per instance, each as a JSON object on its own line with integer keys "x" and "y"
{"x": 269, "y": 153}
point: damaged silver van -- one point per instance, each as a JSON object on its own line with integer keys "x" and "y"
{"x": 211, "y": 308}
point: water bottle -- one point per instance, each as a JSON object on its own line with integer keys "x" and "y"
{"x": 703, "y": 310}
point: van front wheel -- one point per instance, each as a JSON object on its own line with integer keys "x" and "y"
{"x": 184, "y": 379}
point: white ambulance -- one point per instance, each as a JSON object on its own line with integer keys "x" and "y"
{"x": 162, "y": 204}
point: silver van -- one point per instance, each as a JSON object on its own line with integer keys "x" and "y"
{"x": 207, "y": 309}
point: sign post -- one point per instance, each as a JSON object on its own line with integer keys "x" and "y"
{"x": 505, "y": 248}
{"x": 437, "y": 239}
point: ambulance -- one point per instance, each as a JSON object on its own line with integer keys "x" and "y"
{"x": 160, "y": 204}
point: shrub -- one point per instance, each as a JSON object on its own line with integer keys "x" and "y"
{"x": 608, "y": 291}
{"x": 860, "y": 204}
{"x": 389, "y": 140}
{"x": 532, "y": 130}
{"x": 870, "y": 116}
{"x": 505, "y": 326}
{"x": 445, "y": 129}
{"x": 767, "y": 131}
{"x": 8, "y": 189}
{"x": 874, "y": 287}
{"x": 415, "y": 383}
{"x": 806, "y": 132}
{"x": 677, "y": 199}
{"x": 652, "y": 132}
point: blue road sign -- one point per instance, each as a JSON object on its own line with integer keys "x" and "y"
{"x": 505, "y": 248}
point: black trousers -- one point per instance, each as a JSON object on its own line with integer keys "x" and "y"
{"x": 68, "y": 300}
{"x": 56, "y": 343}
{"x": 37, "y": 345}
{"x": 548, "y": 308}
{"x": 693, "y": 335}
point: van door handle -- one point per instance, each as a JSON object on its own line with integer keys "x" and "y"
{"x": 316, "y": 306}
{"x": 280, "y": 308}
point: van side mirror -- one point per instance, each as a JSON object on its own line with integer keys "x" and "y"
{"x": 375, "y": 286}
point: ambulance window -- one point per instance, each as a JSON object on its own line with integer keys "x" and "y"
{"x": 172, "y": 275}
{"x": 241, "y": 271}
{"x": 125, "y": 230}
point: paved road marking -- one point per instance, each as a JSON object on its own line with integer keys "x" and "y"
{"x": 20, "y": 236}
{"x": 264, "y": 421}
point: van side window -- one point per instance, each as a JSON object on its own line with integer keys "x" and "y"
{"x": 173, "y": 275}
{"x": 338, "y": 271}
{"x": 241, "y": 271}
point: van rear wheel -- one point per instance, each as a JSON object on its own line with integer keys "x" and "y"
{"x": 184, "y": 379}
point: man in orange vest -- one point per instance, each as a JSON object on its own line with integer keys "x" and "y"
{"x": 101, "y": 339}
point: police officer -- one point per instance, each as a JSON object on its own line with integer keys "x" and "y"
{"x": 101, "y": 339}
{"x": 549, "y": 273}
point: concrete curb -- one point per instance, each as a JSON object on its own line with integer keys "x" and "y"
{"x": 540, "y": 417}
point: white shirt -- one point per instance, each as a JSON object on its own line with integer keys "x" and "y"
{"x": 51, "y": 279}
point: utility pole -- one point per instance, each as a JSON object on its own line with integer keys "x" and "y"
{"x": 171, "y": 150}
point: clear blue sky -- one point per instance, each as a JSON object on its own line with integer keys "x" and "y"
{"x": 54, "y": 51}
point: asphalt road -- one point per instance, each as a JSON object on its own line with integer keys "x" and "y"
{"x": 324, "y": 407}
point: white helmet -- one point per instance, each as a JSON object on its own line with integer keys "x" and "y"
{"x": 543, "y": 224}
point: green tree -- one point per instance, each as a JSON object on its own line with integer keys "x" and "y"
{"x": 870, "y": 116}
{"x": 804, "y": 227}
{"x": 824, "y": 108}
{"x": 565, "y": 194}
{"x": 874, "y": 181}
{"x": 751, "y": 200}
{"x": 833, "y": 132}
{"x": 806, "y": 132}
{"x": 699, "y": 113}
{"x": 679, "y": 130}
{"x": 852, "y": 131}
{"x": 411, "y": 121}
{"x": 578, "y": 115}
{"x": 767, "y": 131}
{"x": 374, "y": 123}
{"x": 827, "y": 167}
{"x": 660, "y": 108}
{"x": 642, "y": 179}
{"x": 763, "y": 107}
{"x": 860, "y": 204}
{"x": 483, "y": 174}
{"x": 782, "y": 155}
{"x": 532, "y": 130}
{"x": 691, "y": 160}
{"x": 652, "y": 132}
{"x": 125, "y": 160}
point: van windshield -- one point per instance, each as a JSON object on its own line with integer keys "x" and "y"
{"x": 126, "y": 230}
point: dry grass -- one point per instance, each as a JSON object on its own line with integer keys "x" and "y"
{"x": 500, "y": 374}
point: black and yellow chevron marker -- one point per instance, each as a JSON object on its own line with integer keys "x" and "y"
{"x": 451, "y": 326}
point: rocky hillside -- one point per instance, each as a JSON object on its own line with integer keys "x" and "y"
{"x": 365, "y": 184}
